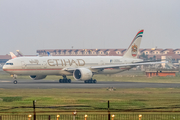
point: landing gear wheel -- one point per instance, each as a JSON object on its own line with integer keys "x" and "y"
{"x": 90, "y": 81}
{"x": 69, "y": 80}
{"x": 64, "y": 80}
{"x": 94, "y": 81}
{"x": 15, "y": 81}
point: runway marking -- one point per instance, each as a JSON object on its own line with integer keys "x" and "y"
{"x": 5, "y": 81}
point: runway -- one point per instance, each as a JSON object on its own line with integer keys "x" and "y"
{"x": 48, "y": 84}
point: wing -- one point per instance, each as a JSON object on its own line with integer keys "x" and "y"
{"x": 116, "y": 66}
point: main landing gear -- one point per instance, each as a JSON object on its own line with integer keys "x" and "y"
{"x": 90, "y": 81}
{"x": 15, "y": 79}
{"x": 64, "y": 80}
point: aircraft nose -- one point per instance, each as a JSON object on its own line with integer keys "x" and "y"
{"x": 4, "y": 67}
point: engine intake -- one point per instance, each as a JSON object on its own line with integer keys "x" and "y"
{"x": 37, "y": 77}
{"x": 82, "y": 74}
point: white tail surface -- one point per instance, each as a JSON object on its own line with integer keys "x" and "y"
{"x": 12, "y": 55}
{"x": 19, "y": 53}
{"x": 132, "y": 51}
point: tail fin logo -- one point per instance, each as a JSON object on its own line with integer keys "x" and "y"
{"x": 134, "y": 50}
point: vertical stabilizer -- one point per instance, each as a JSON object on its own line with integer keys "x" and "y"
{"x": 132, "y": 51}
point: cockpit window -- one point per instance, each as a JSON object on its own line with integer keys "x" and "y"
{"x": 9, "y": 63}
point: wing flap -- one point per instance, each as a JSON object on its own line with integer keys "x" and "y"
{"x": 124, "y": 65}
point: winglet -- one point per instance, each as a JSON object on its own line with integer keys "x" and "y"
{"x": 132, "y": 51}
{"x": 12, "y": 55}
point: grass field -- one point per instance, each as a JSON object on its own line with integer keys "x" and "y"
{"x": 143, "y": 99}
{"x": 147, "y": 99}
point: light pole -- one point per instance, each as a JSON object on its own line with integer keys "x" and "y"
{"x": 29, "y": 117}
{"x": 112, "y": 117}
{"x": 85, "y": 117}
{"x": 58, "y": 117}
{"x": 140, "y": 116}
{"x": 74, "y": 115}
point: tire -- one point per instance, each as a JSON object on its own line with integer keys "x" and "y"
{"x": 61, "y": 80}
{"x": 15, "y": 81}
{"x": 66, "y": 81}
{"x": 94, "y": 81}
{"x": 69, "y": 80}
{"x": 90, "y": 81}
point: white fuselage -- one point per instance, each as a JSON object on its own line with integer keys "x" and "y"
{"x": 55, "y": 65}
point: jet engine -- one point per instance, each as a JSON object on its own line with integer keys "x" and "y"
{"x": 37, "y": 77}
{"x": 82, "y": 74}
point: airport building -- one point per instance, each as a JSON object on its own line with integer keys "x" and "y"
{"x": 4, "y": 59}
{"x": 146, "y": 54}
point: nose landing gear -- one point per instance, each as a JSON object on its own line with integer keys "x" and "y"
{"x": 15, "y": 79}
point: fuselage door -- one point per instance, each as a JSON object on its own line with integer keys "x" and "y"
{"x": 23, "y": 64}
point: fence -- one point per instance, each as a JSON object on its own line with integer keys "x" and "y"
{"x": 94, "y": 117}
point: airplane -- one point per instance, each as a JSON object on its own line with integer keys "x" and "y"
{"x": 82, "y": 68}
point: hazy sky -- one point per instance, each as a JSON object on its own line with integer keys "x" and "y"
{"x": 29, "y": 25}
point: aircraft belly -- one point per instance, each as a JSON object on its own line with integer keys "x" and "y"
{"x": 22, "y": 72}
{"x": 62, "y": 72}
{"x": 34, "y": 72}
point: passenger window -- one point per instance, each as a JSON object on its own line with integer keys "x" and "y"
{"x": 9, "y": 63}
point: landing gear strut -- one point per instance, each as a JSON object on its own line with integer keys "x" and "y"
{"x": 64, "y": 80}
{"x": 90, "y": 81}
{"x": 15, "y": 79}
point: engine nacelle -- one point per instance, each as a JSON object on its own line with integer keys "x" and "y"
{"x": 82, "y": 74}
{"x": 37, "y": 77}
